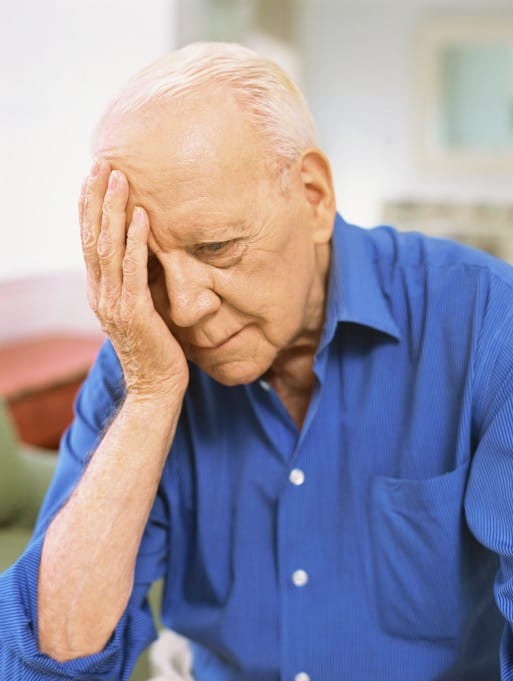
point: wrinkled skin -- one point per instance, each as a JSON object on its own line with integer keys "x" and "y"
{"x": 220, "y": 263}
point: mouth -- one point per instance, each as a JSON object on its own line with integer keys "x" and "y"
{"x": 217, "y": 346}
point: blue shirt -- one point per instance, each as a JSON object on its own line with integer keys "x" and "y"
{"x": 374, "y": 544}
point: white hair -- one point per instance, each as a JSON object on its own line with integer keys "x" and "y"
{"x": 265, "y": 93}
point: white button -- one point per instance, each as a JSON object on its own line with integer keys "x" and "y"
{"x": 302, "y": 676}
{"x": 296, "y": 476}
{"x": 300, "y": 577}
{"x": 265, "y": 385}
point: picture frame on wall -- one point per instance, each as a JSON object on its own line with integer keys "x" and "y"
{"x": 465, "y": 95}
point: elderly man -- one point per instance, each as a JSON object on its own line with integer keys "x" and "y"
{"x": 306, "y": 428}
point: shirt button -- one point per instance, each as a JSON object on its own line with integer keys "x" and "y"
{"x": 296, "y": 476}
{"x": 264, "y": 385}
{"x": 299, "y": 577}
{"x": 302, "y": 676}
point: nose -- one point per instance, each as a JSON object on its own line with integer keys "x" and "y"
{"x": 189, "y": 290}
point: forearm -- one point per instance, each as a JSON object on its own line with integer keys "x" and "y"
{"x": 89, "y": 553}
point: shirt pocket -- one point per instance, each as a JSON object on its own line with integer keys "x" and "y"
{"x": 416, "y": 532}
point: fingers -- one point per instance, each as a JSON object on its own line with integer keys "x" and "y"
{"x": 111, "y": 239}
{"x": 135, "y": 262}
{"x": 116, "y": 256}
{"x": 102, "y": 213}
{"x": 90, "y": 210}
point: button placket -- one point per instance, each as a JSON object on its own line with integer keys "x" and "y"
{"x": 295, "y": 579}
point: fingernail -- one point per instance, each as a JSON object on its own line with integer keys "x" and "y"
{"x": 95, "y": 168}
{"x": 113, "y": 180}
{"x": 138, "y": 215}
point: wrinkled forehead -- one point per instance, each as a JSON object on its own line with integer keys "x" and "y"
{"x": 191, "y": 146}
{"x": 190, "y": 166}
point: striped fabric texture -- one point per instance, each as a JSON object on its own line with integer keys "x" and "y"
{"x": 374, "y": 544}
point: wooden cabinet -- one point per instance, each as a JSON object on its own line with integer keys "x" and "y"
{"x": 40, "y": 377}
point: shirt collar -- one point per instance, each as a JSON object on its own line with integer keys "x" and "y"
{"x": 355, "y": 293}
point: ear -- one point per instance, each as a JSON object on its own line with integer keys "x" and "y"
{"x": 317, "y": 182}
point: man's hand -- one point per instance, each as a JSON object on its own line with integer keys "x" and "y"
{"x": 116, "y": 258}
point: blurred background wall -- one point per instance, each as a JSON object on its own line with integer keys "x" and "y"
{"x": 362, "y": 64}
{"x": 367, "y": 89}
{"x": 60, "y": 63}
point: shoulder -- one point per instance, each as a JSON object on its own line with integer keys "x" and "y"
{"x": 466, "y": 291}
{"x": 469, "y": 290}
{"x": 444, "y": 269}
{"x": 456, "y": 287}
{"x": 419, "y": 251}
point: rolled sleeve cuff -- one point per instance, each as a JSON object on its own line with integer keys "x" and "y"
{"x": 20, "y": 656}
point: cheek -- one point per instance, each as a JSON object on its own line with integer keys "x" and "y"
{"x": 269, "y": 288}
{"x": 235, "y": 287}
{"x": 252, "y": 294}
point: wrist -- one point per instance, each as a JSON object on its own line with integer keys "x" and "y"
{"x": 162, "y": 398}
{"x": 155, "y": 414}
{"x": 161, "y": 392}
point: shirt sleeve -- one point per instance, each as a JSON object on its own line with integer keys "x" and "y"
{"x": 489, "y": 493}
{"x": 20, "y": 657}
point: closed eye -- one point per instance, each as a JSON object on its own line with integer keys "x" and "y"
{"x": 220, "y": 254}
{"x": 213, "y": 247}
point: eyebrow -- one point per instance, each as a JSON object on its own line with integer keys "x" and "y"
{"x": 207, "y": 234}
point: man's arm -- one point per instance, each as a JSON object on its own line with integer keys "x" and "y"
{"x": 97, "y": 403}
{"x": 89, "y": 553}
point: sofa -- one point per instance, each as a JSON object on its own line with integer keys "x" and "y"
{"x": 25, "y": 473}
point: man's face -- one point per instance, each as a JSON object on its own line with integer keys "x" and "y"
{"x": 236, "y": 269}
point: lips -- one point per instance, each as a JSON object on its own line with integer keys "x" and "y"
{"x": 216, "y": 346}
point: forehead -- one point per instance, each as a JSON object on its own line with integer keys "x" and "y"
{"x": 188, "y": 158}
